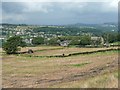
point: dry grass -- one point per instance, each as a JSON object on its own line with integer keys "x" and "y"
{"x": 67, "y": 51}
{"x": 40, "y": 48}
{"x": 107, "y": 80}
{"x": 0, "y": 70}
{"x": 19, "y": 71}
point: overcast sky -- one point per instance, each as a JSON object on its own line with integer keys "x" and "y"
{"x": 54, "y": 13}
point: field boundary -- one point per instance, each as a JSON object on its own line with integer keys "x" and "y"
{"x": 48, "y": 49}
{"x": 73, "y": 54}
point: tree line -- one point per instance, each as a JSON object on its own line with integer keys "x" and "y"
{"x": 12, "y": 44}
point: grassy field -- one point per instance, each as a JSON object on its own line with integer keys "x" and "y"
{"x": 53, "y": 51}
{"x": 84, "y": 71}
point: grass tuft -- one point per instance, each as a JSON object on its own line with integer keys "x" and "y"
{"x": 81, "y": 64}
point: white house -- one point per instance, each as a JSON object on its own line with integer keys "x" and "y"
{"x": 65, "y": 43}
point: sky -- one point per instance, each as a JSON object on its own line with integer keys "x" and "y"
{"x": 59, "y": 13}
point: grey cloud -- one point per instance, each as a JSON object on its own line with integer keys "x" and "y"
{"x": 58, "y": 13}
{"x": 12, "y": 7}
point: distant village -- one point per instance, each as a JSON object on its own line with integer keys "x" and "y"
{"x": 27, "y": 32}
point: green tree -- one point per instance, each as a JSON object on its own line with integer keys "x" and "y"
{"x": 53, "y": 41}
{"x": 110, "y": 37}
{"x": 12, "y": 44}
{"x": 74, "y": 42}
{"x": 105, "y": 37}
{"x": 38, "y": 41}
{"x": 85, "y": 40}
